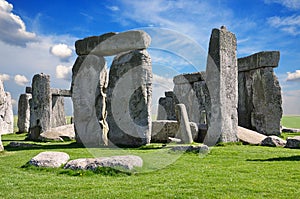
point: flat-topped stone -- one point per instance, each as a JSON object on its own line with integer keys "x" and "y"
{"x": 293, "y": 142}
{"x": 249, "y": 136}
{"x": 189, "y": 78}
{"x": 112, "y": 43}
{"x": 54, "y": 92}
{"x": 259, "y": 60}
{"x": 50, "y": 159}
{"x": 59, "y": 133}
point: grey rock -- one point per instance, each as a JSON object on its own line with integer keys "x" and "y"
{"x": 1, "y": 145}
{"x": 58, "y": 116}
{"x": 163, "y": 130}
{"x": 40, "y": 106}
{"x": 24, "y": 113}
{"x": 260, "y": 101}
{"x": 221, "y": 81}
{"x": 249, "y": 136}
{"x": 60, "y": 133}
{"x": 203, "y": 149}
{"x": 129, "y": 96}
{"x": 6, "y": 112}
{"x": 293, "y": 142}
{"x": 89, "y": 81}
{"x": 50, "y": 159}
{"x": 166, "y": 107}
{"x": 21, "y": 145}
{"x": 127, "y": 162}
{"x": 259, "y": 60}
{"x": 289, "y": 130}
{"x": 184, "y": 132}
{"x": 123, "y": 42}
{"x": 273, "y": 141}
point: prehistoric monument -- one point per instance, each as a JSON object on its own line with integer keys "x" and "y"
{"x": 115, "y": 109}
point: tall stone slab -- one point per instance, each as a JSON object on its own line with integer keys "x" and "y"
{"x": 166, "y": 107}
{"x": 58, "y": 111}
{"x": 221, "y": 80}
{"x": 24, "y": 113}
{"x": 89, "y": 81}
{"x": 1, "y": 145}
{"x": 129, "y": 96}
{"x": 260, "y": 101}
{"x": 40, "y": 106}
{"x": 6, "y": 112}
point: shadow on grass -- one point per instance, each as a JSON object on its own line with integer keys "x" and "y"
{"x": 291, "y": 158}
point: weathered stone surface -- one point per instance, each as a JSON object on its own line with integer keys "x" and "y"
{"x": 58, "y": 116}
{"x": 89, "y": 80}
{"x": 21, "y": 145}
{"x": 24, "y": 113}
{"x": 289, "y": 130}
{"x": 191, "y": 90}
{"x": 6, "y": 112}
{"x": 203, "y": 149}
{"x": 221, "y": 80}
{"x": 59, "y": 133}
{"x": 1, "y": 145}
{"x": 86, "y": 45}
{"x": 293, "y": 142}
{"x": 127, "y": 162}
{"x": 249, "y": 136}
{"x": 163, "y": 130}
{"x": 273, "y": 141}
{"x": 184, "y": 132}
{"x": 166, "y": 107}
{"x": 40, "y": 106}
{"x": 54, "y": 92}
{"x": 260, "y": 101}
{"x": 129, "y": 97}
{"x": 50, "y": 159}
{"x": 123, "y": 42}
{"x": 259, "y": 60}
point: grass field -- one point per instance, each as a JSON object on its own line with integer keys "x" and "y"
{"x": 291, "y": 121}
{"x": 230, "y": 171}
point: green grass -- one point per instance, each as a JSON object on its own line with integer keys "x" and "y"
{"x": 291, "y": 121}
{"x": 229, "y": 171}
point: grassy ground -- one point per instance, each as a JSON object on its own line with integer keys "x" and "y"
{"x": 291, "y": 121}
{"x": 234, "y": 171}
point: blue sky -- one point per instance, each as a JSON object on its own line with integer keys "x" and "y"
{"x": 38, "y": 36}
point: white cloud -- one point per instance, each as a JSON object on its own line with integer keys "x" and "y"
{"x": 295, "y": 76}
{"x": 290, "y": 24}
{"x": 14, "y": 102}
{"x": 113, "y": 8}
{"x": 21, "y": 80}
{"x": 290, "y": 102}
{"x": 4, "y": 77}
{"x": 291, "y": 4}
{"x": 62, "y": 51}
{"x": 64, "y": 72}
{"x": 12, "y": 28}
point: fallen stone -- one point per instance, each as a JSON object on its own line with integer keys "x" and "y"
{"x": 203, "y": 149}
{"x": 50, "y": 159}
{"x": 24, "y": 113}
{"x": 60, "y": 133}
{"x": 123, "y": 42}
{"x": 129, "y": 96}
{"x": 289, "y": 130}
{"x": 249, "y": 136}
{"x": 21, "y": 145}
{"x": 127, "y": 162}
{"x": 273, "y": 141}
{"x": 293, "y": 142}
{"x": 184, "y": 131}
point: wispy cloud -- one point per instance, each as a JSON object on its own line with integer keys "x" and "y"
{"x": 12, "y": 28}
{"x": 21, "y": 80}
{"x": 4, "y": 77}
{"x": 290, "y": 24}
{"x": 291, "y": 4}
{"x": 293, "y": 76}
{"x": 113, "y": 8}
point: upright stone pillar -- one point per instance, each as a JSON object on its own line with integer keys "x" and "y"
{"x": 260, "y": 100}
{"x": 166, "y": 107}
{"x": 129, "y": 96}
{"x": 58, "y": 111}
{"x": 88, "y": 85}
{"x": 221, "y": 80}
{"x": 6, "y": 112}
{"x": 24, "y": 113}
{"x": 40, "y": 106}
{"x": 1, "y": 145}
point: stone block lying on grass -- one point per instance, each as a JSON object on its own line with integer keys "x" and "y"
{"x": 249, "y": 136}
{"x": 273, "y": 141}
{"x": 127, "y": 162}
{"x": 60, "y": 133}
{"x": 293, "y": 143}
{"x": 50, "y": 159}
{"x": 289, "y": 130}
{"x": 185, "y": 148}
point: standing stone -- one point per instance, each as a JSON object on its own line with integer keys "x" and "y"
{"x": 184, "y": 132}
{"x": 166, "y": 107}
{"x": 221, "y": 80}
{"x": 260, "y": 100}
{"x": 40, "y": 106}
{"x": 129, "y": 99}
{"x": 58, "y": 111}
{"x": 24, "y": 113}
{"x": 6, "y": 112}
{"x": 1, "y": 145}
{"x": 88, "y": 83}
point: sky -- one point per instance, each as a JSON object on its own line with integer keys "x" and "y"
{"x": 38, "y": 36}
